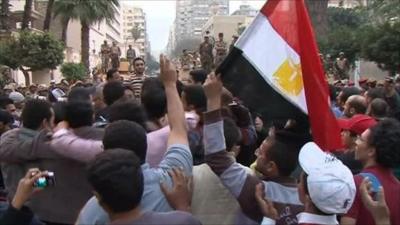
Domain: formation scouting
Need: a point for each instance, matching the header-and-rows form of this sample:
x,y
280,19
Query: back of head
x,y
59,111
232,133
5,118
113,91
79,94
4,101
79,114
195,96
127,135
349,91
285,151
117,178
127,110
374,93
35,112
385,137
198,76
153,98
359,104
379,108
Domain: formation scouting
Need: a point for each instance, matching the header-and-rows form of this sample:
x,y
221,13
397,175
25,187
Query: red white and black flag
x,y
276,70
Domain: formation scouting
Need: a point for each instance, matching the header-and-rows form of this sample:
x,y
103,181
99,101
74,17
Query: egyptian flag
x,y
275,69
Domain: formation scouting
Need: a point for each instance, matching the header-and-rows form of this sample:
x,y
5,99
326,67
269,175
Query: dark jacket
x,y
22,149
14,216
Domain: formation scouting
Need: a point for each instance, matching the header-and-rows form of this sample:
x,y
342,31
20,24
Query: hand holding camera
x,y
33,182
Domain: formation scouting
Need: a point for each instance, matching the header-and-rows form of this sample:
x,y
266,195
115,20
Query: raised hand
x,y
26,188
378,208
266,206
168,74
180,196
213,91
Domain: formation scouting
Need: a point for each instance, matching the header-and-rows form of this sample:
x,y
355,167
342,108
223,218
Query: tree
x,y
47,20
73,71
152,64
27,14
318,10
31,52
5,15
381,44
89,13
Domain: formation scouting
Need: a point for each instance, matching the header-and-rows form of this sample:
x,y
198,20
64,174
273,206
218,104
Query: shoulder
x,y
178,217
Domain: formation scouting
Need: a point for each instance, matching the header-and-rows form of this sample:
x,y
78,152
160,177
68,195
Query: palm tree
x,y
89,13
47,20
27,14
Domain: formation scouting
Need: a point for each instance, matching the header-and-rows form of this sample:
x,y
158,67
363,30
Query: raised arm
x,y
176,114
233,175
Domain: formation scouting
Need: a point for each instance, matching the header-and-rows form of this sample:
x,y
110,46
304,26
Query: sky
x,y
160,16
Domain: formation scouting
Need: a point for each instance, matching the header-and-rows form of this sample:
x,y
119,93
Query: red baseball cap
x,y
357,124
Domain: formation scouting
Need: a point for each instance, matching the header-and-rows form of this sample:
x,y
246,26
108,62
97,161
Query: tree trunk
x,y
85,44
27,14
64,24
318,10
5,15
49,11
26,76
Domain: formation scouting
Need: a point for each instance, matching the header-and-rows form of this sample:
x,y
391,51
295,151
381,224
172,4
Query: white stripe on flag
x,y
266,50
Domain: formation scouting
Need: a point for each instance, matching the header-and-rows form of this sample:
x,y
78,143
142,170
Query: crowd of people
x,y
155,150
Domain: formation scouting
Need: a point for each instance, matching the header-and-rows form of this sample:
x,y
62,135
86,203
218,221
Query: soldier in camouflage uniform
x,y
206,56
220,49
186,60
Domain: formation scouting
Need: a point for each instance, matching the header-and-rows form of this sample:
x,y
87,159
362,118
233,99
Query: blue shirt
x,y
177,156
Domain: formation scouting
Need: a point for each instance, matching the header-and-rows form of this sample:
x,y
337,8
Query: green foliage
x,y
136,32
73,71
151,63
87,12
33,50
381,44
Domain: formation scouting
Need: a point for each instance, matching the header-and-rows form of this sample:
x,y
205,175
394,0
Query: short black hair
x,y
127,135
110,73
59,111
139,59
374,93
6,117
113,91
232,133
198,76
349,91
127,110
153,98
333,92
379,108
34,112
79,94
4,101
116,175
385,137
195,95
79,114
285,150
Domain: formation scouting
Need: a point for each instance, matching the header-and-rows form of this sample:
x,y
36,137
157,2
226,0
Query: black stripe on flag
x,y
244,81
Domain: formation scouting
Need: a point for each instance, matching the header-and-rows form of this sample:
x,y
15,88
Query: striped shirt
x,y
136,83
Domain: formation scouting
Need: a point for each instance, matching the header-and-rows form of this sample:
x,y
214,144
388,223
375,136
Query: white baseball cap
x,y
330,183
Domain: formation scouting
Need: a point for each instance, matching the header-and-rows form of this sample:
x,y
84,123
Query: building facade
x,y
228,25
134,18
347,3
191,15
246,10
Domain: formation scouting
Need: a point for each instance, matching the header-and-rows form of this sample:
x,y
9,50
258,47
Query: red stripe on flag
x,y
281,15
290,19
